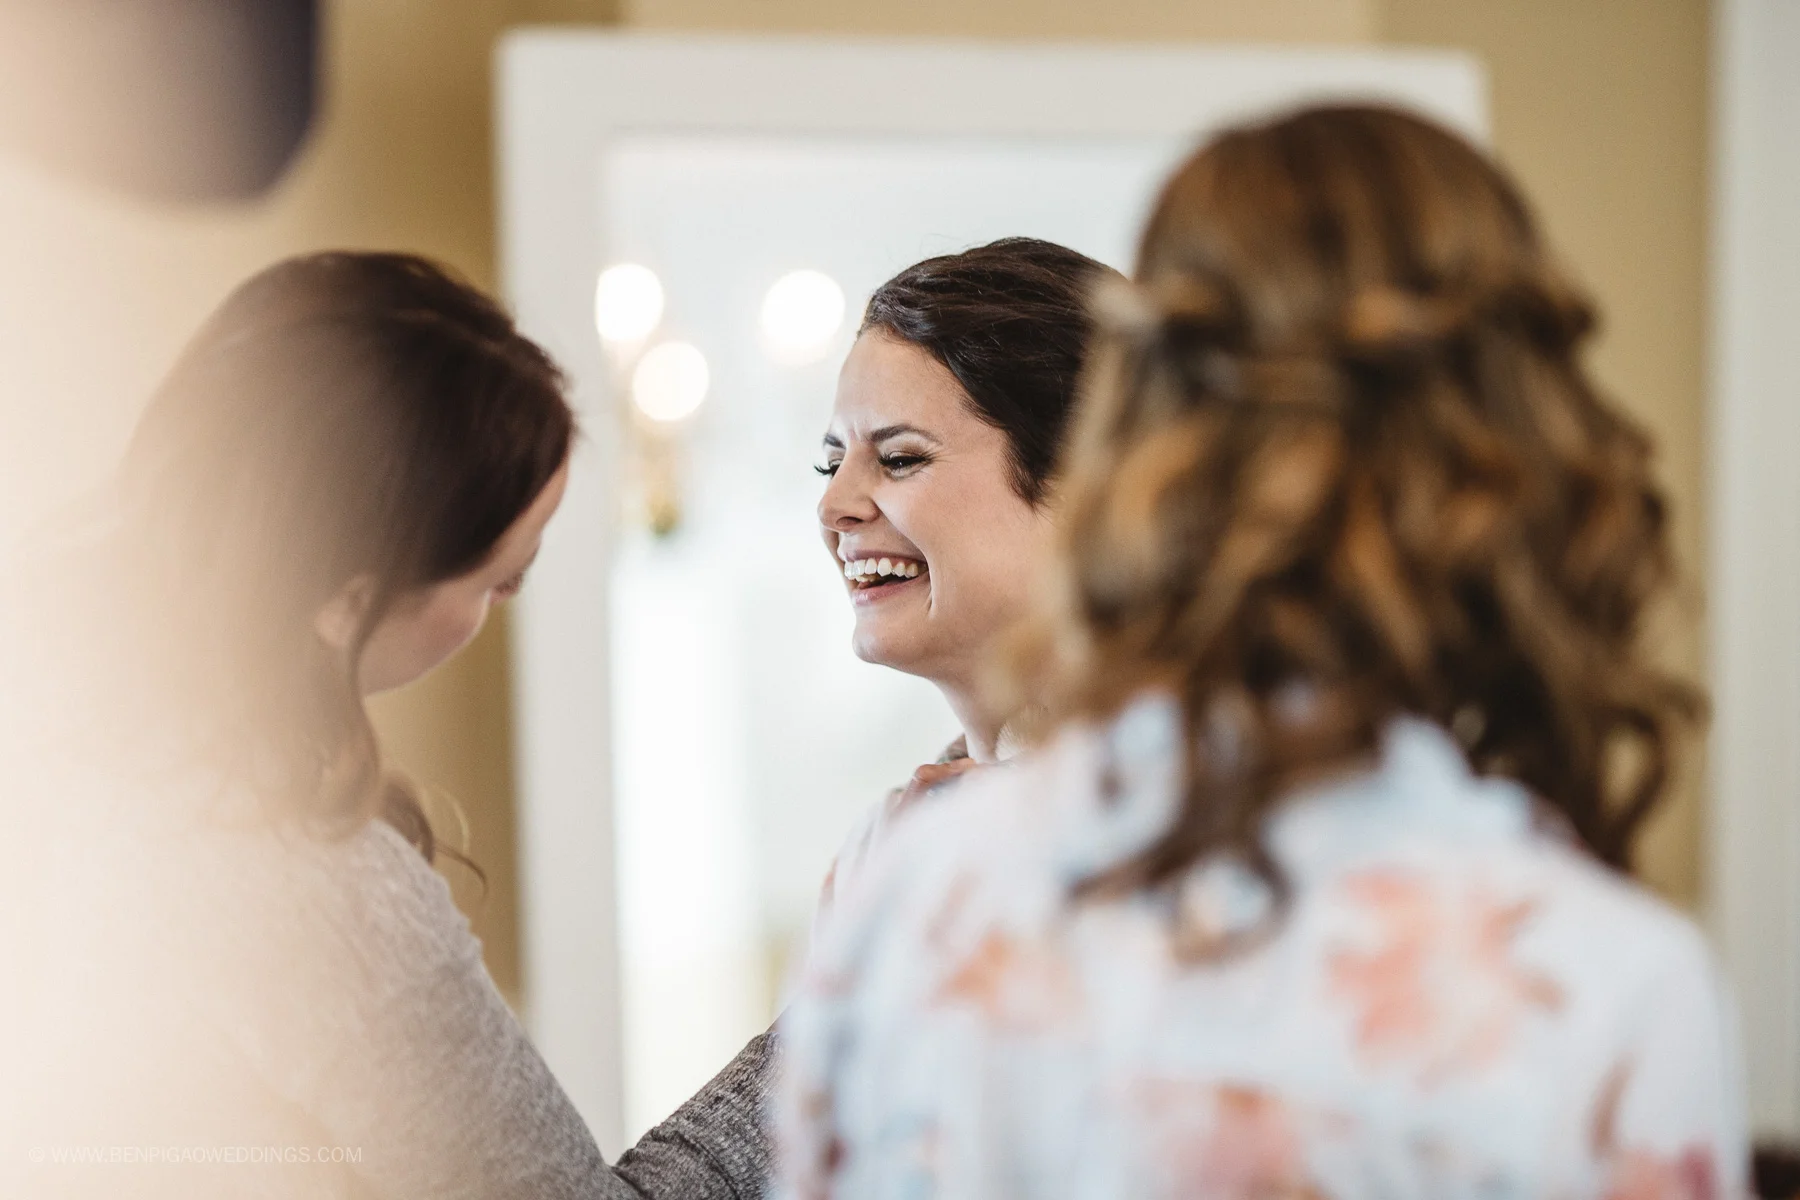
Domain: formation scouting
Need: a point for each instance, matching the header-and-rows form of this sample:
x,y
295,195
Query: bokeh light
x,y
801,313
670,381
628,303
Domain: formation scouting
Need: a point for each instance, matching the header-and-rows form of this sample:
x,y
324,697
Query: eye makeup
x,y
893,461
900,463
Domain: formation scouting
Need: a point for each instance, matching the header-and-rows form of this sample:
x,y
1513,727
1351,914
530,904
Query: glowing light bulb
x,y
628,303
670,381
801,313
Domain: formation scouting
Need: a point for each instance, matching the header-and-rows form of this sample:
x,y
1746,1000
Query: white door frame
x,y
562,96
1754,855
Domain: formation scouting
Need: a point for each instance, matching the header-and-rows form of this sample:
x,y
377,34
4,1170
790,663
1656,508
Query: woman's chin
x,y
890,621
878,642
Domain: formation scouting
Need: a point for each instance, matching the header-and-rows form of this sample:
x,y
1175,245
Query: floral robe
x,y
1455,1002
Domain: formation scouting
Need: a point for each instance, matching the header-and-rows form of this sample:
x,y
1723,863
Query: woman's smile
x,y
877,578
867,569
921,514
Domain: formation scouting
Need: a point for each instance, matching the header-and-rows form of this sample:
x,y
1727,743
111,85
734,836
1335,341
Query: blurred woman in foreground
x,y
234,971
1321,887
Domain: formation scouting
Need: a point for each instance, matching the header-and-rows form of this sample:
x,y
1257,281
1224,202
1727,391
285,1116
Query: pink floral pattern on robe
x,y
1442,989
1452,1005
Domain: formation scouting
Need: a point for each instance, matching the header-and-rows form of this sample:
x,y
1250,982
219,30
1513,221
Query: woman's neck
x,y
982,730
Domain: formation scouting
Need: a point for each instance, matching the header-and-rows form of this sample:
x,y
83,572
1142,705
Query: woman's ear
x,y
342,616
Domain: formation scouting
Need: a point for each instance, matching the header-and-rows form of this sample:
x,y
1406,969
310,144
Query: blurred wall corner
x,y
175,100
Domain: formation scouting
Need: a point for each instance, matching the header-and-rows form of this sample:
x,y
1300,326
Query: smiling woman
x,y
941,456
949,417
939,546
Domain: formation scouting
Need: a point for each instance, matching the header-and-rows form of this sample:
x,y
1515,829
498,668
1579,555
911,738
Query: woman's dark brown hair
x,y
1338,462
340,416
1012,321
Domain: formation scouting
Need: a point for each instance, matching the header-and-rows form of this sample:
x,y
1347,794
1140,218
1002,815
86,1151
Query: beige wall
x,y
1235,20
1598,105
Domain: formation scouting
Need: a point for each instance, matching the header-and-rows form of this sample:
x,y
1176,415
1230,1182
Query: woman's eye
x,y
891,463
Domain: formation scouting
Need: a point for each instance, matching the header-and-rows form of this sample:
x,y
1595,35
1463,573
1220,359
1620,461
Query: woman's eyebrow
x,y
832,441
892,431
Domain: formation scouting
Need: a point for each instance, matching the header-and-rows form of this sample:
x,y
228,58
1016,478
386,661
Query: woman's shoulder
x,y
362,907
1614,927
1422,837
1090,795
999,830
251,908
1419,837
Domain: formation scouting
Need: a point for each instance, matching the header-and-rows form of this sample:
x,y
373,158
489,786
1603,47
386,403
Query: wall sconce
x,y
668,385
662,386
666,382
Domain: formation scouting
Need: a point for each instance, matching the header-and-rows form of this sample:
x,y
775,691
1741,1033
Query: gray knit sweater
x,y
258,1001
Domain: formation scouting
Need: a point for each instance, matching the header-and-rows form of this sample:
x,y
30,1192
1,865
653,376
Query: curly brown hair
x,y
1338,461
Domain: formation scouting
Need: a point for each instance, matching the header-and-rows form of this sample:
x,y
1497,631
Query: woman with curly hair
x,y
1319,884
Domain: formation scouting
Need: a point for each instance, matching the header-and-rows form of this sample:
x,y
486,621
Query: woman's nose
x,y
846,502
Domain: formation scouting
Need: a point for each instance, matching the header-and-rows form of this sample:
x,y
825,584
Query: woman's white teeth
x,y
864,569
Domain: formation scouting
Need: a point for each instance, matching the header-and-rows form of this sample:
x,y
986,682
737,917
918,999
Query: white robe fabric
x,y
1455,1002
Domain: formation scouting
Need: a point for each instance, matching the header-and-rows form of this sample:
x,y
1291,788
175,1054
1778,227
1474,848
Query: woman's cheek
x,y
453,627
474,617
